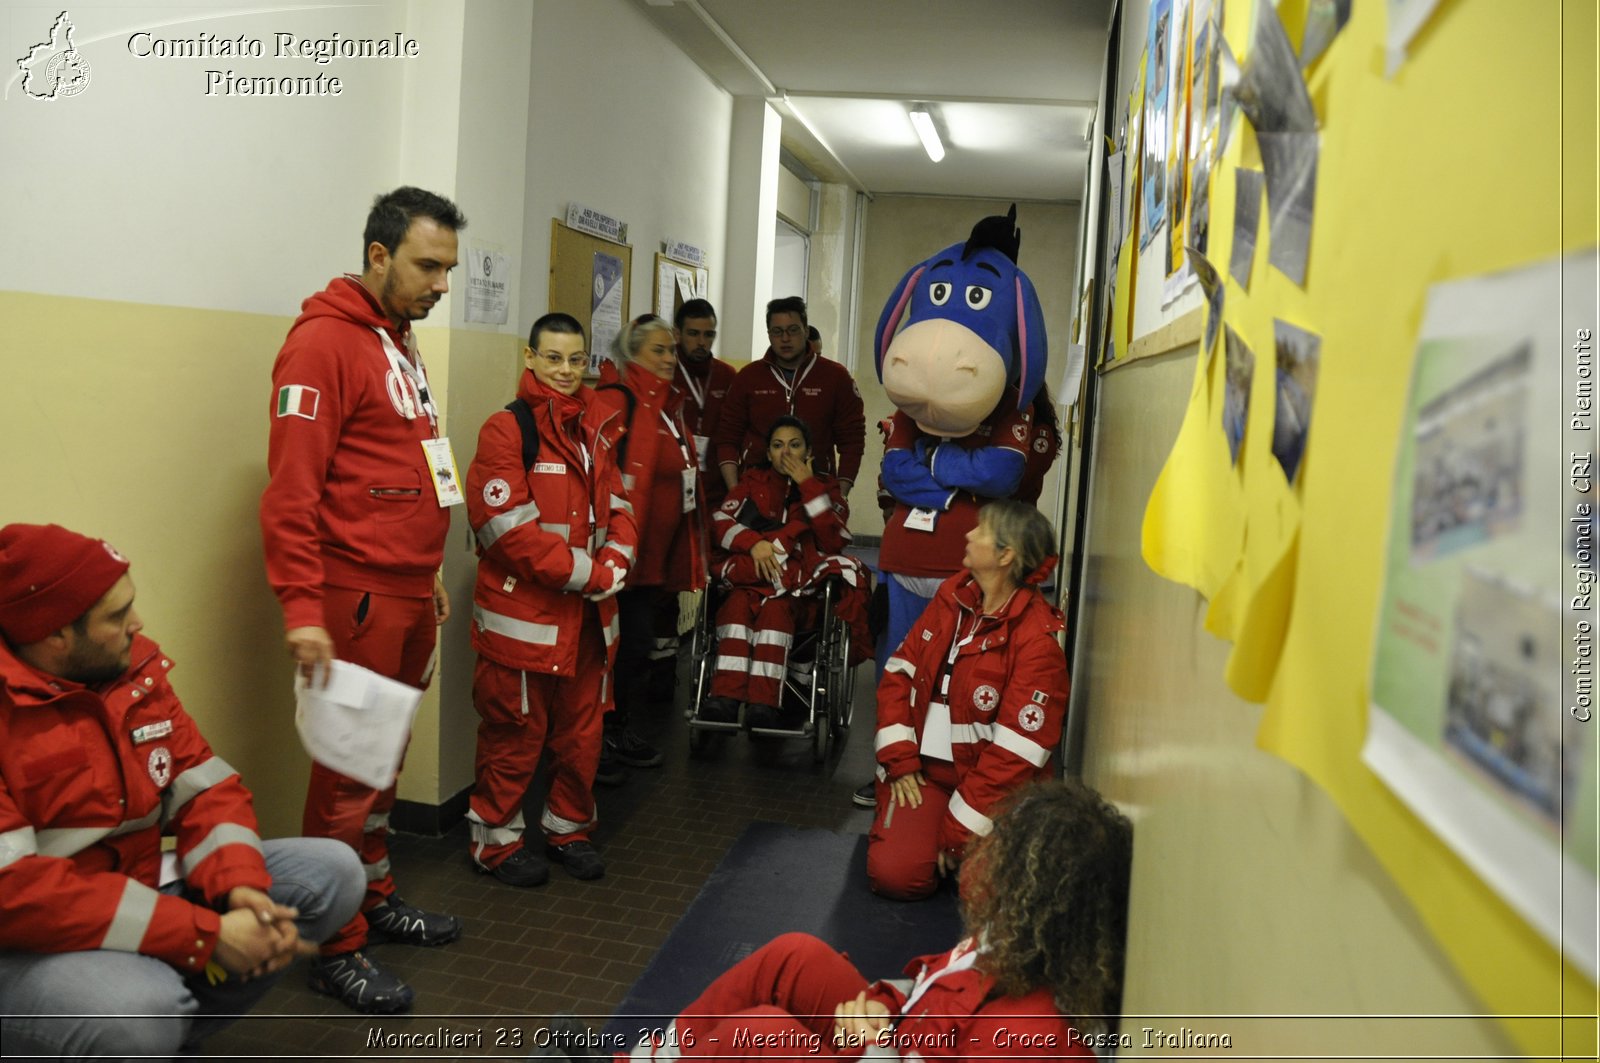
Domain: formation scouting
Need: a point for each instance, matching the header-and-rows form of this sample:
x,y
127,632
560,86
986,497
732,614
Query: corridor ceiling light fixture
x,y
922,122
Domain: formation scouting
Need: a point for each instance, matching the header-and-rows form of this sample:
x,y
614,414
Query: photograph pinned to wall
x,y
1227,81
605,308
1469,441
1240,370
1324,20
1203,134
1271,91
1178,101
1211,284
1475,684
1290,162
1406,19
1246,222
1154,165
1298,356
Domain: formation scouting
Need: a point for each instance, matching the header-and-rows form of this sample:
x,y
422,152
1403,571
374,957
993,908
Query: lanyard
x,y
414,373
694,389
789,386
677,437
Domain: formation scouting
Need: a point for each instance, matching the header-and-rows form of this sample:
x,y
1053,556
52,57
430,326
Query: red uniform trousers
x,y
903,844
520,715
781,997
754,633
394,637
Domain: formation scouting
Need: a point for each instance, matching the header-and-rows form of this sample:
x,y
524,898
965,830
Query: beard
x,y
93,666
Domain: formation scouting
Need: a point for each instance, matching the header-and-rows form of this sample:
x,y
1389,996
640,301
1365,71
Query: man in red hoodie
x,y
354,523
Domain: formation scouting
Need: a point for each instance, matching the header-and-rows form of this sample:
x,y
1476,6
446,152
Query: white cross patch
x,y
986,697
496,492
1031,717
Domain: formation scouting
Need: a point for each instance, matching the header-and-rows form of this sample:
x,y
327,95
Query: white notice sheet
x,y
358,723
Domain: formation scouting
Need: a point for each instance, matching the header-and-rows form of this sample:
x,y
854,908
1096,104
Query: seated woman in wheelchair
x,y
783,527
970,706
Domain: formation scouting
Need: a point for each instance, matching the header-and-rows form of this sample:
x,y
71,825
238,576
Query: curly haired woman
x,y
1039,974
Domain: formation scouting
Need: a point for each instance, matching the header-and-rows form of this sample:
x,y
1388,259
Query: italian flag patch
x,y
297,400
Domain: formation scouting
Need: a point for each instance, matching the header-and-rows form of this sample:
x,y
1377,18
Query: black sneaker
x,y
764,716
579,858
719,710
523,867
395,920
359,984
610,772
866,796
632,750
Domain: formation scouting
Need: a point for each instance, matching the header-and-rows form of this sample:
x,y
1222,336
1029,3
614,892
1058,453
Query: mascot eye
x,y
939,292
977,296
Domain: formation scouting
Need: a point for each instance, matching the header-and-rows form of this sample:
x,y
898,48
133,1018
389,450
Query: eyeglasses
x,y
555,361
791,331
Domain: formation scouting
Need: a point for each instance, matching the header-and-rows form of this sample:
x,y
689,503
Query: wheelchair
x,y
818,676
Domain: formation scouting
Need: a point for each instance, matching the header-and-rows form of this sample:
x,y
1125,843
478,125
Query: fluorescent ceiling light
x,y
922,121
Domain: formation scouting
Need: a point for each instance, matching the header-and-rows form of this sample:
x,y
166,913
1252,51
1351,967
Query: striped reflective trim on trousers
x,y
733,631
890,733
15,844
512,628
732,663
221,835
554,824
135,910
1021,745
377,872
582,567
969,817
484,835
497,526
376,821
901,665
774,638
766,669
197,780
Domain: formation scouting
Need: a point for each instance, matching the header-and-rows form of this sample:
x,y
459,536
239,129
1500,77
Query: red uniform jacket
x,y
703,388
822,395
1044,444
543,532
90,780
952,1011
807,521
991,690
658,449
954,478
350,503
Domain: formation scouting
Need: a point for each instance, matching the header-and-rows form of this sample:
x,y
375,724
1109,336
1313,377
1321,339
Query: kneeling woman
x,y
971,704
783,526
1044,900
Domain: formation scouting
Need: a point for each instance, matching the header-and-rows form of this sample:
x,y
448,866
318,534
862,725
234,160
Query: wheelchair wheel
x,y
700,654
841,683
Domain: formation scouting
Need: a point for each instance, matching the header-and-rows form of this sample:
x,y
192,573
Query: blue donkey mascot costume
x,y
963,372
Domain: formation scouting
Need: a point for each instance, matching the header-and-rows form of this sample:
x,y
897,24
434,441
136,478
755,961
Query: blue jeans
x,y
73,1005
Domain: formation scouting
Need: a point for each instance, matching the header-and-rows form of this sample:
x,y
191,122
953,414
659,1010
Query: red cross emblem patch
x,y
1031,717
496,492
986,698
160,766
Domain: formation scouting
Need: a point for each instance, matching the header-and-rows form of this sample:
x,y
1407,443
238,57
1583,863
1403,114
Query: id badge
x,y
688,489
921,519
442,468
936,732
702,446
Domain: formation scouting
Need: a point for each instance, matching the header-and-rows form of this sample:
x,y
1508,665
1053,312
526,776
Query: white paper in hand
x,y
358,724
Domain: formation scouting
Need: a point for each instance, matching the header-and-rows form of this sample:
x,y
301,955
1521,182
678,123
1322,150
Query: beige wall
x,y
904,230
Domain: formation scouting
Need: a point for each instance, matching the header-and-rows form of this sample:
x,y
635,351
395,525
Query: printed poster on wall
x,y
1157,55
1482,682
488,286
605,308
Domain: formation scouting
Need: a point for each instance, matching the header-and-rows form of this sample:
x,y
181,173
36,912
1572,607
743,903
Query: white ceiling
x,y
1011,83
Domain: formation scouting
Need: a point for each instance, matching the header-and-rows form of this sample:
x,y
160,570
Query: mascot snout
x,y
944,376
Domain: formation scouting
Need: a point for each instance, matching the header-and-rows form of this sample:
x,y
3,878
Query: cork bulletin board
x,y
589,278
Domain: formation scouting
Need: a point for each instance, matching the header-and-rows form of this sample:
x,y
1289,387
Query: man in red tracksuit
x,y
790,379
354,523
704,379
102,950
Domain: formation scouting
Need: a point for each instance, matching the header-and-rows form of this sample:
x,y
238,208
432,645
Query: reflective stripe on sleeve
x,y
582,567
1022,746
969,817
132,919
891,733
563,530
817,506
512,628
197,780
128,826
15,844
618,502
625,550
223,834
733,533
901,665
497,526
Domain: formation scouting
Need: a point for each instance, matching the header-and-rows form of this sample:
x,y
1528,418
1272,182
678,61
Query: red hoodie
x,y
350,503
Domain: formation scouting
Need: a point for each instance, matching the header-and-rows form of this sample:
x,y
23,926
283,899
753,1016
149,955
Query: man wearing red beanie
x,y
354,522
98,761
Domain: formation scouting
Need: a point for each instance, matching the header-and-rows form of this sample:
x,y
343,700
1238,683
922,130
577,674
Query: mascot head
x,y
973,328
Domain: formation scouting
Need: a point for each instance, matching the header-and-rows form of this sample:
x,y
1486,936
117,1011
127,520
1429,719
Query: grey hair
x,y
1022,528
632,336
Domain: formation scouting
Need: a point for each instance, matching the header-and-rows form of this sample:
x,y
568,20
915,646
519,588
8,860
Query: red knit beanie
x,y
49,577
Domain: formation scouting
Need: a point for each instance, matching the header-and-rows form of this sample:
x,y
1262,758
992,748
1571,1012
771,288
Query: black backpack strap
x,y
630,402
530,432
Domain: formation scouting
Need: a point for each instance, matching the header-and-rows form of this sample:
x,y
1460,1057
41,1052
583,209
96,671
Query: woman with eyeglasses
x,y
556,539
660,470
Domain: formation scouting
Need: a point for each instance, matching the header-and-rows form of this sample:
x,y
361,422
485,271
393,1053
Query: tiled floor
x,y
567,946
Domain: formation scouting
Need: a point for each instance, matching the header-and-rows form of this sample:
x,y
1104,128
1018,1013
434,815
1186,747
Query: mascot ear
x,y
1033,346
893,311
